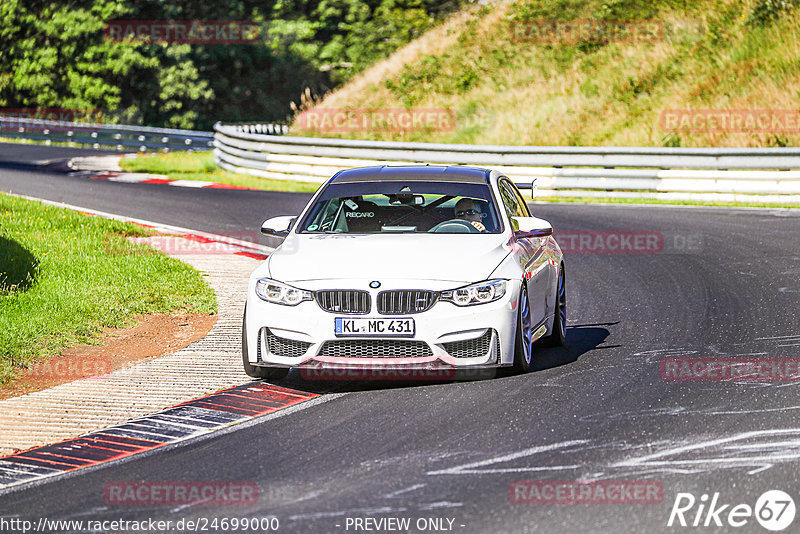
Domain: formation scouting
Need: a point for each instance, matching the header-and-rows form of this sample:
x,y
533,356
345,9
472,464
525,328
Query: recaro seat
x,y
364,218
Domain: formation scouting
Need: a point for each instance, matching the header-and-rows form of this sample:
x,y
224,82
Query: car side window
x,y
526,212
511,204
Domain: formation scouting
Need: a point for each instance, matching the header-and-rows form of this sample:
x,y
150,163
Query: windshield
x,y
403,207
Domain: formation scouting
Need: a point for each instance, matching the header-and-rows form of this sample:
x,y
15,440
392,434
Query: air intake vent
x,y
343,300
403,302
280,346
472,348
375,348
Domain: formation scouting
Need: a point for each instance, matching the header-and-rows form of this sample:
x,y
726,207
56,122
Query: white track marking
x,y
394,494
475,467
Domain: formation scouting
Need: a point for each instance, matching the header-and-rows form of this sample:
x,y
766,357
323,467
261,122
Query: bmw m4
x,y
413,267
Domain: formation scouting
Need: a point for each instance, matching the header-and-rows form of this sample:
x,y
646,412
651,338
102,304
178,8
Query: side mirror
x,y
278,226
532,227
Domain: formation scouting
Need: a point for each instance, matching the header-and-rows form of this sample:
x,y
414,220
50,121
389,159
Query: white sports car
x,y
413,267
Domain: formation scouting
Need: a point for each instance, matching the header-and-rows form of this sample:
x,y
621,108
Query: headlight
x,y
479,293
279,293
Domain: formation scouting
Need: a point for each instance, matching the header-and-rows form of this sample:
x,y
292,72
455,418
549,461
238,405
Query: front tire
x,y
523,346
558,337
255,371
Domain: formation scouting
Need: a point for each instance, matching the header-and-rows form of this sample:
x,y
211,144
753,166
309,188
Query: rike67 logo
x,y
774,510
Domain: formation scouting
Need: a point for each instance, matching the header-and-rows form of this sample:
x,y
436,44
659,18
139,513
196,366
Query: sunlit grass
x,y
709,55
64,276
657,201
201,166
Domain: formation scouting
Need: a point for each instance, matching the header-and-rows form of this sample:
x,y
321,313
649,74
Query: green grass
x,y
718,55
171,163
200,166
22,141
64,276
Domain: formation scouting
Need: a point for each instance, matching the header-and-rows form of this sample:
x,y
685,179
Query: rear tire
x,y
558,337
255,371
523,346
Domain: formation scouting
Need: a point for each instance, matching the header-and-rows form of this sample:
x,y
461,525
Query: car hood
x,y
449,257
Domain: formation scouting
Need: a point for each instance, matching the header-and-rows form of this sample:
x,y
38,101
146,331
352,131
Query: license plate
x,y
374,327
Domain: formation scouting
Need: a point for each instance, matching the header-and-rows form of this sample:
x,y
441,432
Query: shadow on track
x,y
580,340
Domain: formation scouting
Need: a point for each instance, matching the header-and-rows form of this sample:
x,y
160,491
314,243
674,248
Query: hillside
x,y
511,74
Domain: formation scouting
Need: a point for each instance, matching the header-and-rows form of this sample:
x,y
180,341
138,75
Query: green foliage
x,y
672,140
549,9
418,79
589,88
55,55
766,11
630,9
376,35
593,9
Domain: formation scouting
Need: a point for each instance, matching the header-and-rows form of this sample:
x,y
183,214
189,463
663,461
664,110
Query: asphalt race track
x,y
230,212
29,154
717,283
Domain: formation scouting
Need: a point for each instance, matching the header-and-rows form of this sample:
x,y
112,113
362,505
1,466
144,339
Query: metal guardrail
x,y
115,136
560,171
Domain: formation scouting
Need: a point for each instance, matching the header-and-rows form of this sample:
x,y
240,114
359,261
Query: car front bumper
x,y
446,336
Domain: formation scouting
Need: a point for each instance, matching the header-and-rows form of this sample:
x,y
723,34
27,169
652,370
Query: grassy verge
x,y
505,86
22,141
64,276
200,166
662,202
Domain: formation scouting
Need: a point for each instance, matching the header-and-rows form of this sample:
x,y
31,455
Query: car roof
x,y
413,173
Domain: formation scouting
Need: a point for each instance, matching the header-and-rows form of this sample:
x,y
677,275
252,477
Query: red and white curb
x,y
137,178
188,420
108,168
240,405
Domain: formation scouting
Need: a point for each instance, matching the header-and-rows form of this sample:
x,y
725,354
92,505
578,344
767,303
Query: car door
x,y
531,252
